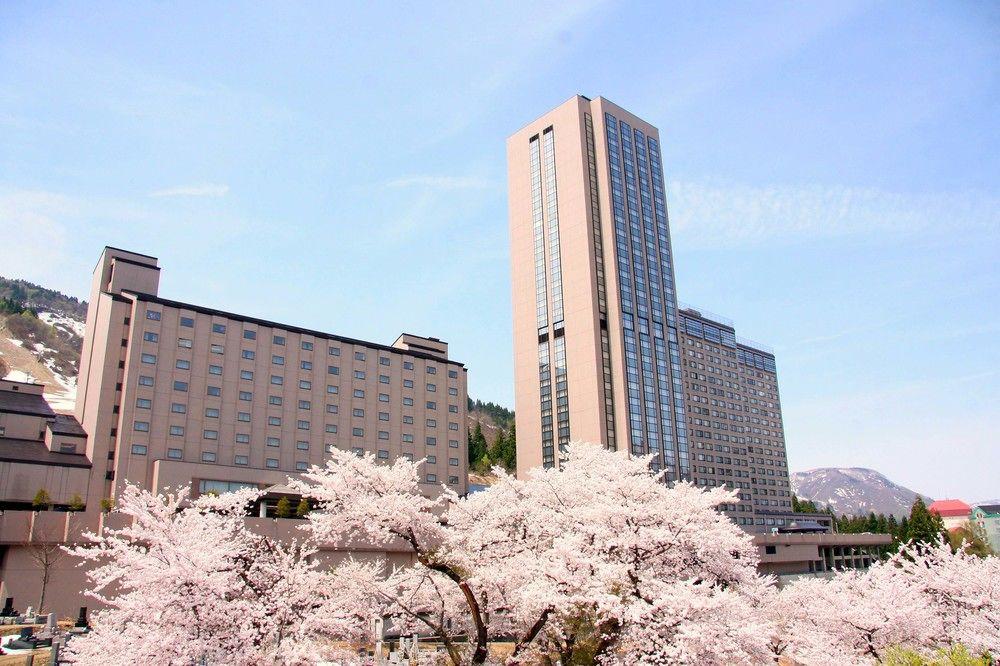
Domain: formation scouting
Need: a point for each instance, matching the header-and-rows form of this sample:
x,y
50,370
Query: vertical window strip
x,y
541,297
552,224
562,394
545,397
602,297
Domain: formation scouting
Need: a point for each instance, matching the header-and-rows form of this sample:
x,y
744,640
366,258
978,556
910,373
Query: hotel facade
x,y
176,395
602,352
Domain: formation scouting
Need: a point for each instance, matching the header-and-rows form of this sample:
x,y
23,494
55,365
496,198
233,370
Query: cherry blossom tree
x,y
187,582
597,550
924,598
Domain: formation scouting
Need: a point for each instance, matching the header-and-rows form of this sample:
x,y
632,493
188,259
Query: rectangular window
x,y
273,441
383,397
431,370
249,335
301,466
358,432
274,400
218,328
452,426
407,383
149,336
243,416
242,438
453,409
359,393
181,386
334,351
359,413
246,374
383,454
277,360
432,388
408,420
187,322
214,390
211,434
147,381
431,441
149,359
143,403
407,365
431,404
175,454
139,449
408,439
305,404
278,380
305,365
359,374
383,379
431,423
153,314
305,384
215,369
142,426
453,480
302,425
332,370
182,364
216,349
184,343
453,391
453,462
178,408
272,463
302,446
331,428
383,360
307,345
278,340
177,431
432,478
332,409
383,434
359,356
453,443
383,416
332,389
241,460
408,402
453,374
274,420
248,354
208,456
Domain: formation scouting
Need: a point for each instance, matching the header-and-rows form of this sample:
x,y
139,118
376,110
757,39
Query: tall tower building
x,y
596,342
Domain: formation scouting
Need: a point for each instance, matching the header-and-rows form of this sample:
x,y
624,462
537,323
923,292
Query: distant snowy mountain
x,y
854,491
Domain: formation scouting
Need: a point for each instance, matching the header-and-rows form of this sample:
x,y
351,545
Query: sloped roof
x,y
950,508
989,508
32,404
66,424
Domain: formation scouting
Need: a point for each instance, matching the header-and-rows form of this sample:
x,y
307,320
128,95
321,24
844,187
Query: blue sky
x,y
834,181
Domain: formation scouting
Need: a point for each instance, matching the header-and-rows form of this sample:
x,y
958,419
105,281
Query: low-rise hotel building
x,y
175,394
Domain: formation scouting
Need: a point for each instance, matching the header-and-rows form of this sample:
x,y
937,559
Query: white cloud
x,y
442,182
709,213
203,190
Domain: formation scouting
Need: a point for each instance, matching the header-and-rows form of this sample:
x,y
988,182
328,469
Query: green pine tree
x,y
302,509
42,501
477,446
924,527
76,503
284,508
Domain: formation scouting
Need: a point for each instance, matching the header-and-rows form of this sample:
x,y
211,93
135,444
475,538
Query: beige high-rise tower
x,y
596,346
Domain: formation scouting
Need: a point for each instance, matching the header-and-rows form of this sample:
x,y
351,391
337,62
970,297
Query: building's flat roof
x,y
26,451
30,404
150,298
66,424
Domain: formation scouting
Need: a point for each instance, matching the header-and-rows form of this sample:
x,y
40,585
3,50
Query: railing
x,y
706,314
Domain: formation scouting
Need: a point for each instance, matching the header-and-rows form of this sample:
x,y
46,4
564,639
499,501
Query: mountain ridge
x,y
854,491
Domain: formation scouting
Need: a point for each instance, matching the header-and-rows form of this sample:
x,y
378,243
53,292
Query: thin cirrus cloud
x,y
712,213
203,190
441,182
